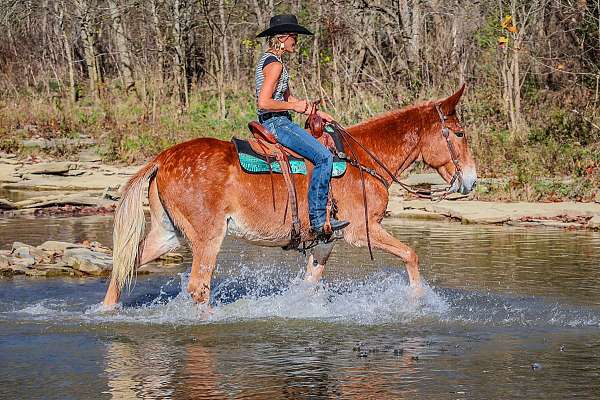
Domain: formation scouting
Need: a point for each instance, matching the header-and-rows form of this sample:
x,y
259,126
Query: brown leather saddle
x,y
265,144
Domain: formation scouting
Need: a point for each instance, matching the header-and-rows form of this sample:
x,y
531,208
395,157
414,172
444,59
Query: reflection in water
x,y
500,300
139,370
200,367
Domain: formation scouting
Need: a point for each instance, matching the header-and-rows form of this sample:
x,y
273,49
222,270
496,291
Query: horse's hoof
x,y
199,293
205,311
417,292
108,307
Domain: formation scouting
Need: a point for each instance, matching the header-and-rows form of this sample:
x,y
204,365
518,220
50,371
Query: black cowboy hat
x,y
284,23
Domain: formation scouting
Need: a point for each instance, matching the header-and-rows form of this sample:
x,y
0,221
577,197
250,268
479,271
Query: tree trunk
x,y
223,61
180,68
125,57
61,33
88,36
315,52
160,43
412,21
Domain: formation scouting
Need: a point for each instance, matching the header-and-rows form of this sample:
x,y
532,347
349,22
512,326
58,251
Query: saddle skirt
x,y
255,157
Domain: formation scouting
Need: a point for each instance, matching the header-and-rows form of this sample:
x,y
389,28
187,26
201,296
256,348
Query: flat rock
x,y
9,174
13,270
11,161
50,168
58,270
88,261
24,250
21,261
7,205
89,155
96,180
56,246
480,212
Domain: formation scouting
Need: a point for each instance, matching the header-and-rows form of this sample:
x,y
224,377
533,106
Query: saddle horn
x,y
314,123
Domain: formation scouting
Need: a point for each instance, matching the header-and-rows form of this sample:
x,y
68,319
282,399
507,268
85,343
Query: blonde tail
x,y
129,226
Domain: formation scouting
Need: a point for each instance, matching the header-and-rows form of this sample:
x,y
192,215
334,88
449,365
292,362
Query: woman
x,y
274,103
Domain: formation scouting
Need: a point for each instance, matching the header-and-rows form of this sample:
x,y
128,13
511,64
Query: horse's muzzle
x,y
469,181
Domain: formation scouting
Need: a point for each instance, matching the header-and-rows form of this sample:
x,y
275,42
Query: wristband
x,y
305,108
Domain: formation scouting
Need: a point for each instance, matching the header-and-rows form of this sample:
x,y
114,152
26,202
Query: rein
x,y
432,194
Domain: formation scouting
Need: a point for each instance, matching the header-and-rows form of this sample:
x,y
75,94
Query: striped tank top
x,y
281,86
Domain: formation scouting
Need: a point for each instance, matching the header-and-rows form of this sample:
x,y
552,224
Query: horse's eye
x,y
459,134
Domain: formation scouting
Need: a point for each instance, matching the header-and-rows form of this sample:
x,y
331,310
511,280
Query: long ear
x,y
449,104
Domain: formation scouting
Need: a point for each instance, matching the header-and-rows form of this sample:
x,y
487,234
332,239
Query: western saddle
x,y
265,143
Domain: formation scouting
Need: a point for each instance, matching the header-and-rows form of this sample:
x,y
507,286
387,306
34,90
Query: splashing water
x,y
272,292
264,293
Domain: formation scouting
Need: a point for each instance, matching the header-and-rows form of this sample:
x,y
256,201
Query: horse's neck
x,y
393,138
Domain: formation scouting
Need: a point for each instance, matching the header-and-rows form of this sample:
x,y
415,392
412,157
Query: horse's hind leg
x,y
205,234
316,262
163,237
205,248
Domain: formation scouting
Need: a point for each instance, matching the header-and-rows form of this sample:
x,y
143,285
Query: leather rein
x,y
432,194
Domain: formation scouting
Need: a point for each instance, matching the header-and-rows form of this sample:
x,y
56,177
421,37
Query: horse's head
x,y
446,139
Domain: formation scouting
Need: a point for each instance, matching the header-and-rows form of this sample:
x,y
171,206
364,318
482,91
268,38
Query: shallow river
x,y
508,313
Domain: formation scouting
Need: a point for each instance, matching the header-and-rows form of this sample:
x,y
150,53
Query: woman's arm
x,y
288,96
272,72
328,118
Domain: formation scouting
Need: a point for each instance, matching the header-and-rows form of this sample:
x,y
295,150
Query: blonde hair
x,y
273,42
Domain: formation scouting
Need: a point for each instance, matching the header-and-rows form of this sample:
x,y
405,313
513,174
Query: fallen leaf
x,y
506,21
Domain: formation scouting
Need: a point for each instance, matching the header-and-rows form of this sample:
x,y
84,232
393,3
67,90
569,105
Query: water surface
x,y
508,313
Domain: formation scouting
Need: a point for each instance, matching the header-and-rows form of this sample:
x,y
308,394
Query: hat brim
x,y
284,28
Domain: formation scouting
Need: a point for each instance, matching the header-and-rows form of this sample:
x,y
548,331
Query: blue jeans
x,y
293,137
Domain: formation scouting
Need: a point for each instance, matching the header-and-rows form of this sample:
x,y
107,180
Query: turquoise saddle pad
x,y
254,163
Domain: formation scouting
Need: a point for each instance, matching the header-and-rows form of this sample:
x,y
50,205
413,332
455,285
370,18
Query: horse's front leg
x,y
316,262
382,240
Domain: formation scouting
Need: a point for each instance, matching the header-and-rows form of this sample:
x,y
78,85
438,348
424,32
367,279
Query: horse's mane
x,y
397,114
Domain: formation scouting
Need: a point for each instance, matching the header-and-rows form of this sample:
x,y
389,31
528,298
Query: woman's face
x,y
289,40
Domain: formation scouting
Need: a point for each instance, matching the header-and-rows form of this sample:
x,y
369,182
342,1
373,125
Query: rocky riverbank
x,y
565,215
54,258
86,186
45,187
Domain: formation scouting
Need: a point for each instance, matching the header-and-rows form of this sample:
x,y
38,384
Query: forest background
x,y
139,76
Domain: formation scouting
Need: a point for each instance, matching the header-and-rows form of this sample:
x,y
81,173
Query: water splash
x,y
275,292
265,293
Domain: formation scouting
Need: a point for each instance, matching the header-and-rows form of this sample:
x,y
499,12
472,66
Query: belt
x,y
268,115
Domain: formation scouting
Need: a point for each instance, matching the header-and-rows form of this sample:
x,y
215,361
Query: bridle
x,y
432,194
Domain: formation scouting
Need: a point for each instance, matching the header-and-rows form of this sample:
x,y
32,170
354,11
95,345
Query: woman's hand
x,y
300,106
326,117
